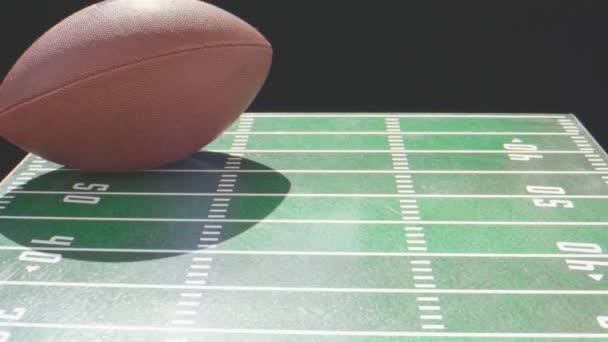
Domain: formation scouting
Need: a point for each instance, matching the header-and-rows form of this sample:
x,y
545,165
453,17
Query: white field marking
x,y
424,286
24,178
210,233
5,202
595,159
590,136
196,274
420,262
229,180
199,259
420,249
466,133
191,295
2,207
417,242
224,199
410,212
433,326
219,205
431,317
426,277
429,307
182,322
228,175
206,245
415,235
401,181
225,191
379,171
195,282
392,152
605,177
23,161
188,303
28,173
410,218
217,210
199,267
229,288
404,115
422,269
216,216
427,299
602,168
209,239
412,228
592,155
38,161
304,221
408,206
275,332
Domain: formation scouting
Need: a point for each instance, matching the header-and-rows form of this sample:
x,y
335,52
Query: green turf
x,y
322,238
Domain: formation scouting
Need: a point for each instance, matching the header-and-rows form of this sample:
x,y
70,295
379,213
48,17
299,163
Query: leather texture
x,y
132,84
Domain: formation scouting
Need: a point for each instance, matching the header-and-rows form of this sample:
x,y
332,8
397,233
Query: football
x,y
132,84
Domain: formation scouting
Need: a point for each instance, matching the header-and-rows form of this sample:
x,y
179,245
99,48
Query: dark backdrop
x,y
383,55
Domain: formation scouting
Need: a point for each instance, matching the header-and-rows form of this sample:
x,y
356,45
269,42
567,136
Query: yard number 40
x,y
13,315
549,203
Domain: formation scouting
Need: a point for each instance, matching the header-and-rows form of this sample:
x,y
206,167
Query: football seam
x,y
126,65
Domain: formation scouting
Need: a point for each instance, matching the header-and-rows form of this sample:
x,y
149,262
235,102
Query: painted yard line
x,y
300,221
380,171
352,333
589,135
467,133
17,167
311,253
403,115
330,195
406,151
305,289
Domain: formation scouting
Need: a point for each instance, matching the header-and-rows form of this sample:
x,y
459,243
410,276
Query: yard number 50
x,y
549,190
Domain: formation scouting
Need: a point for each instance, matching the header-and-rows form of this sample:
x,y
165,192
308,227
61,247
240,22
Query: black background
x,y
382,55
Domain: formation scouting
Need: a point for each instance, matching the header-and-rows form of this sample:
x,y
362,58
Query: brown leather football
x,y
132,84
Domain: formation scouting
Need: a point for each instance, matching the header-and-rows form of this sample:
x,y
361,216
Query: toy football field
x,y
319,227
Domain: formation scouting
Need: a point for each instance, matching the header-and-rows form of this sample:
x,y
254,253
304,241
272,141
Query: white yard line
x,y
353,333
17,167
389,151
379,171
467,133
304,221
295,289
291,194
403,115
310,253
